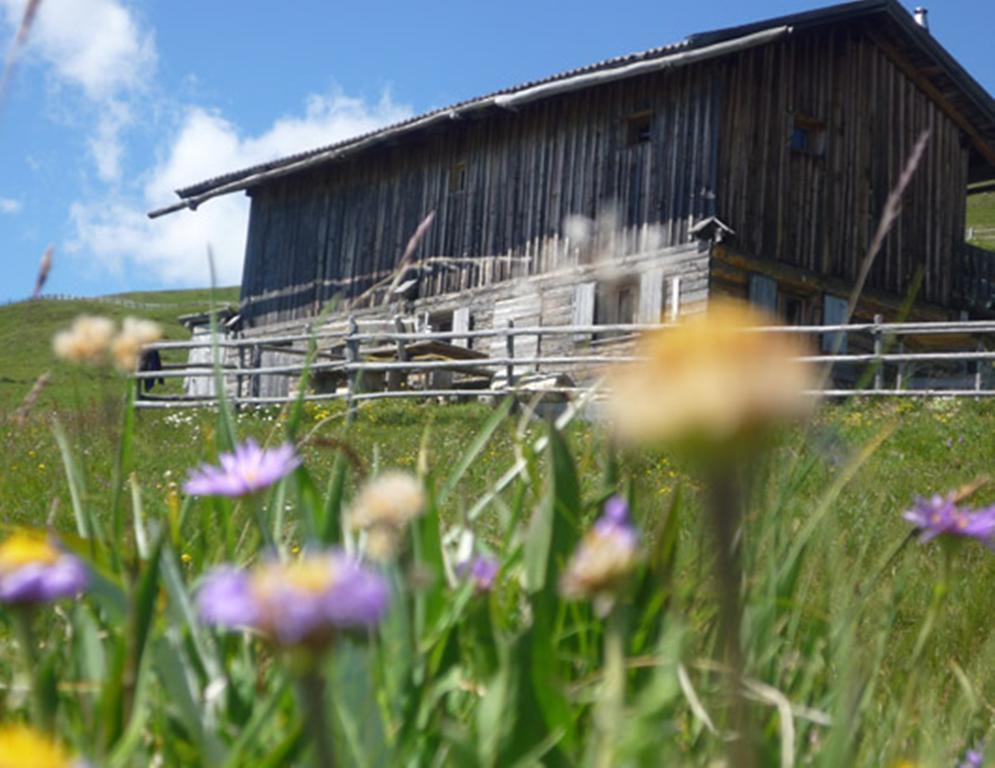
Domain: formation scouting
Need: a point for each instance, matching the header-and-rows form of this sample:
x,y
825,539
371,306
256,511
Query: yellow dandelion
x,y
21,746
711,380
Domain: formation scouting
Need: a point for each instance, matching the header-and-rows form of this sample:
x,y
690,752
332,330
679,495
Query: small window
x,y
639,128
808,136
457,177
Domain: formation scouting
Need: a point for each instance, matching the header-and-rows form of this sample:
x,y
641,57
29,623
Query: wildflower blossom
x,y
88,340
21,746
126,348
711,379
941,516
973,758
302,602
605,557
382,509
247,470
482,570
33,570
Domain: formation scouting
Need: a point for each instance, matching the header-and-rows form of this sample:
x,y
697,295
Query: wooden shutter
x,y
584,307
763,292
833,313
461,322
675,299
651,295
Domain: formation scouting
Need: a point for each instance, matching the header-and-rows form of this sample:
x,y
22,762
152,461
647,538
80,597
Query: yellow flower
x,y
22,549
87,340
711,380
21,747
382,509
185,558
127,345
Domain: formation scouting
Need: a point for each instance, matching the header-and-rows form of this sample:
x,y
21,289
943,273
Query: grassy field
x,y
865,609
27,327
925,447
981,213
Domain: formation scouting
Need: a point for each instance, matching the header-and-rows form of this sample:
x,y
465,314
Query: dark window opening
x,y
794,310
440,321
638,128
808,136
457,177
616,303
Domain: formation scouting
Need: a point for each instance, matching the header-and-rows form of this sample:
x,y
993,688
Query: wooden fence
x,y
348,362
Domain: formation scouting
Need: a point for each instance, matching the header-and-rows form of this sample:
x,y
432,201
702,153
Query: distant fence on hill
x,y
980,233
112,301
867,359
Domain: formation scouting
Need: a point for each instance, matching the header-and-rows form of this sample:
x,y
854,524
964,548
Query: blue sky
x,y
114,103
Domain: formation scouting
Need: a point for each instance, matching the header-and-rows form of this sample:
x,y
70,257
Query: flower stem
x,y
311,693
259,513
41,712
940,589
609,716
725,504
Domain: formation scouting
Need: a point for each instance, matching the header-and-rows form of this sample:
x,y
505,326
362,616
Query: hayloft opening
x,y
638,128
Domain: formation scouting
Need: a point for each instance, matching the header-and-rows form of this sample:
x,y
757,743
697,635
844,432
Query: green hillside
x,y
981,215
27,327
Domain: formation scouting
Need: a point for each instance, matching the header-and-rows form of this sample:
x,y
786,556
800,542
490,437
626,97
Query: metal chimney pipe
x,y
920,14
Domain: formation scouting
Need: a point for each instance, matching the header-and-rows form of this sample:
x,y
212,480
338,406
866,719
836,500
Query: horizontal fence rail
x,y
358,362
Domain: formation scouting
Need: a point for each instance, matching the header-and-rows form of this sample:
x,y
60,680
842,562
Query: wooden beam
x,y
726,260
943,102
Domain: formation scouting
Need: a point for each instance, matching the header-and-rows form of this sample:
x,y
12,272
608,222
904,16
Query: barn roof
x,y
940,70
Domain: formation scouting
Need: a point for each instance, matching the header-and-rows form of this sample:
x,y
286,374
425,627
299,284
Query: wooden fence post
x,y
239,378
396,378
900,376
255,385
978,380
352,375
878,365
509,343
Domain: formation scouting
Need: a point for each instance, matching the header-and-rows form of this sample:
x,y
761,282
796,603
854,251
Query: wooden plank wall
x,y
334,232
544,300
820,212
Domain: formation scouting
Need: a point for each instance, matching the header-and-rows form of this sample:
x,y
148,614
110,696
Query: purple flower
x,y
34,570
302,602
941,516
605,556
482,570
973,758
247,470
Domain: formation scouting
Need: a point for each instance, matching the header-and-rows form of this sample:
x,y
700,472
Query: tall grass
x,y
834,600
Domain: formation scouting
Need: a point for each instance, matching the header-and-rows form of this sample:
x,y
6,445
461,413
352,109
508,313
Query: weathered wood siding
x,y
819,212
540,300
335,231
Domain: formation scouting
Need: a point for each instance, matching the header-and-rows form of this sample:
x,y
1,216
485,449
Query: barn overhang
x,y
928,64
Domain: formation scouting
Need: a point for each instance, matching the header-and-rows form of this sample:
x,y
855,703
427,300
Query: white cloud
x,y
10,206
117,232
99,48
94,44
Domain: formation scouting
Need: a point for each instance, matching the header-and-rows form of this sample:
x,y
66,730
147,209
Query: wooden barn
x,y
752,161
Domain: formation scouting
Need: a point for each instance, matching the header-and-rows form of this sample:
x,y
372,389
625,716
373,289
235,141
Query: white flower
x,y
127,345
383,507
87,340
